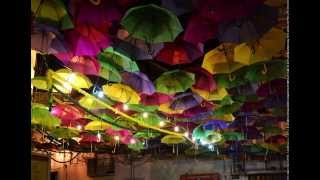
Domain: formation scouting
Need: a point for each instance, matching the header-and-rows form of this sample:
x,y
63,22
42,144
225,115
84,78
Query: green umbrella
x,y
53,12
227,109
198,132
109,72
174,81
212,136
152,119
142,108
64,133
40,82
138,146
271,70
146,135
233,136
117,60
42,116
90,103
152,23
172,139
236,78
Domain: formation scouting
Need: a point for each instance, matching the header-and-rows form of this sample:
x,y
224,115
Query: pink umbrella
x,y
76,122
139,82
87,138
67,112
85,40
204,79
155,99
84,64
124,135
200,29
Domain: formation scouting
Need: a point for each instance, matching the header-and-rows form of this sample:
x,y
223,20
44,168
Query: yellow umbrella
x,y
216,95
121,93
90,103
171,139
74,78
220,60
268,46
225,117
166,109
97,126
271,147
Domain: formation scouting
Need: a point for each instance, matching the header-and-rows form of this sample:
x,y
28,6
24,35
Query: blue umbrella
x,y
185,101
215,125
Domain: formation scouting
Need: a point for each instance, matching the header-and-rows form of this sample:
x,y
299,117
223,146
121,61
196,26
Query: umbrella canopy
x,y
215,95
178,7
200,110
272,130
225,117
87,138
275,101
204,80
109,72
174,81
274,87
248,89
67,112
250,132
155,98
178,52
77,123
90,103
152,23
165,108
84,64
152,119
277,139
228,109
221,60
198,132
171,139
97,126
40,82
42,116
211,137
121,93
249,28
139,82
118,60
64,133
261,50
185,101
146,135
200,29
85,40
233,136
125,136
215,125
53,12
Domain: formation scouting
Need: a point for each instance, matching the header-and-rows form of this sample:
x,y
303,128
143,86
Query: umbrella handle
x,y
95,2
232,77
265,69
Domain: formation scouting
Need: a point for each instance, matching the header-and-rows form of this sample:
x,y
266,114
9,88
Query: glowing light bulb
x,y
132,141
125,107
79,127
100,94
186,134
161,123
145,115
193,139
210,146
99,137
71,77
176,128
117,138
67,87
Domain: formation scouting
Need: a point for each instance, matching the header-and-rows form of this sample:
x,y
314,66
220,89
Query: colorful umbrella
x,y
152,23
275,102
185,101
272,130
215,125
204,80
125,136
85,40
198,132
199,110
152,119
227,109
165,108
40,82
121,93
271,147
42,116
172,139
67,112
52,12
225,117
97,126
84,64
211,137
274,87
178,52
90,103
178,7
146,135
139,82
220,60
141,108
87,138
250,132
138,146
249,28
277,139
248,89
234,79
64,133
118,60
200,29
174,81
109,72
77,123
155,99
233,136
261,50
215,95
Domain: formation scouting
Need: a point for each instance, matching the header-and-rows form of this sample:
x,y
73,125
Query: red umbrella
x,y
76,122
155,99
178,52
85,40
84,64
277,139
275,87
204,79
67,112
87,138
226,10
200,29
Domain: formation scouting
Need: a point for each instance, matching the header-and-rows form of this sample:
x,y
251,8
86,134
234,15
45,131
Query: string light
x,y
161,123
99,136
132,141
125,107
79,127
71,77
100,94
186,134
176,128
117,138
145,115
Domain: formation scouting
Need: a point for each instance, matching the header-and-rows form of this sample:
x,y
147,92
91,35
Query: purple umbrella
x,y
251,132
138,81
155,99
274,87
275,101
249,28
244,90
178,7
185,101
215,125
